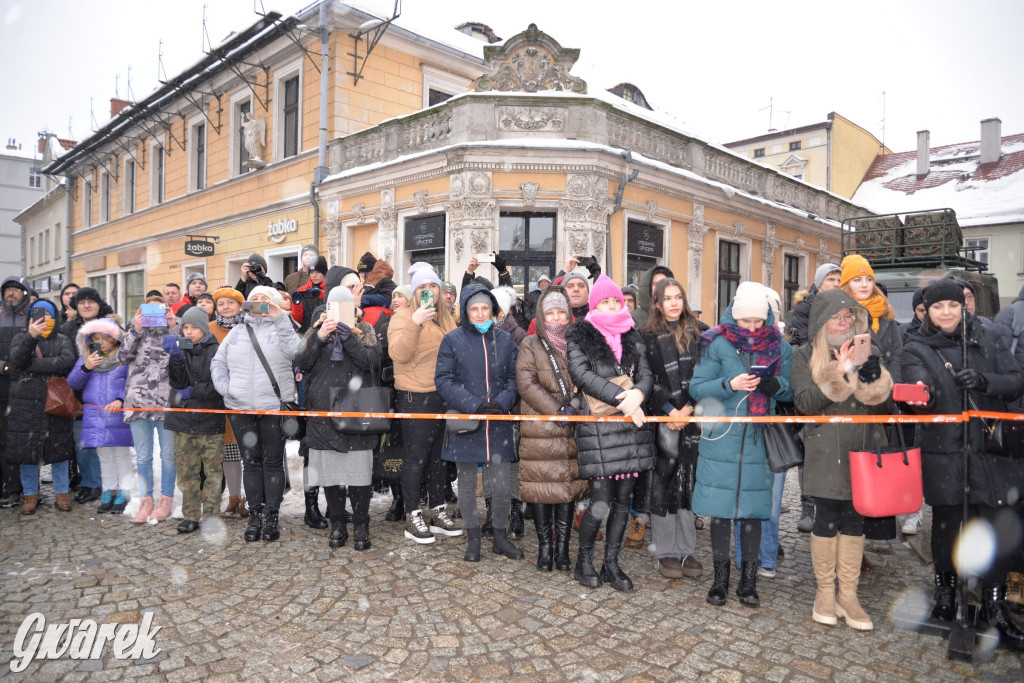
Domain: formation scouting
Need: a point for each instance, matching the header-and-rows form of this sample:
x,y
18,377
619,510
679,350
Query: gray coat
x,y
831,392
148,381
239,375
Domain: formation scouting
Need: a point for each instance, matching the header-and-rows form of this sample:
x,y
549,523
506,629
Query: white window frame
x,y
105,192
193,170
35,178
666,227
87,181
118,275
987,250
442,80
233,266
57,241
46,246
193,266
236,141
129,201
31,251
282,74
155,181
275,259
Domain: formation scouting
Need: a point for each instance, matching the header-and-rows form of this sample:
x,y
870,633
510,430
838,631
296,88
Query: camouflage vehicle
x,y
910,250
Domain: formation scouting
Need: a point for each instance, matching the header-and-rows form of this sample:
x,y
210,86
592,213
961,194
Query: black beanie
x,y
88,294
918,297
944,289
366,263
319,265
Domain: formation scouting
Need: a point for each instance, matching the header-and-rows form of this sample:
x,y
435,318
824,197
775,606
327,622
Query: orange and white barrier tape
x,y
783,419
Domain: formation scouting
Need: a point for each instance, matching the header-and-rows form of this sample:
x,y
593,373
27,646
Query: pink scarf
x,y
612,326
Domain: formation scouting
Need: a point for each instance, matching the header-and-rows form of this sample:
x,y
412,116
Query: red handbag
x,y
886,484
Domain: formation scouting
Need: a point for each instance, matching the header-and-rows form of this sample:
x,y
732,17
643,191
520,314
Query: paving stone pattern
x,y
294,609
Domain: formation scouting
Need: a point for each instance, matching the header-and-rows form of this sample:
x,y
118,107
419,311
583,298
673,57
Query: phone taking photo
x,y
94,347
256,307
426,298
342,311
154,315
38,314
861,349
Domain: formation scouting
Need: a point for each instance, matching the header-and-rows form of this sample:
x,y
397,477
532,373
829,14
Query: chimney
x,y
991,140
116,105
923,137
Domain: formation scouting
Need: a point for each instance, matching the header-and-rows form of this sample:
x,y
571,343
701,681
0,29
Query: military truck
x,y
909,250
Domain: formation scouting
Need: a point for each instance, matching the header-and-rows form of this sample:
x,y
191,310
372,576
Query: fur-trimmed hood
x,y
590,339
827,304
105,326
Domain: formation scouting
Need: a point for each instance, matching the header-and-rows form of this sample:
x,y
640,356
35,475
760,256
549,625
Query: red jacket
x,y
301,298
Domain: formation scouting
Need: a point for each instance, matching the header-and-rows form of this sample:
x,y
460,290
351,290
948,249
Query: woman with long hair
x,y
602,347
549,477
672,337
414,338
733,479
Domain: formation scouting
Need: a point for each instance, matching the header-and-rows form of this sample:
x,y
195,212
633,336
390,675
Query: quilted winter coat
x,y
733,479
238,373
474,367
548,471
99,387
33,437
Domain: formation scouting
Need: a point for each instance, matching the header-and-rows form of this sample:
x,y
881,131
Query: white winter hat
x,y
504,296
269,292
751,301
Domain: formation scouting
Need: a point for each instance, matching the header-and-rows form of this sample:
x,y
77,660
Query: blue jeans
x,y
769,528
30,478
88,461
142,436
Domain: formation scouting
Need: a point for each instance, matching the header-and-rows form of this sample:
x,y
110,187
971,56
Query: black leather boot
x,y
747,590
503,546
396,513
611,573
314,520
945,596
720,586
544,521
339,532
585,573
487,529
563,528
360,497
515,520
472,545
255,525
997,614
271,532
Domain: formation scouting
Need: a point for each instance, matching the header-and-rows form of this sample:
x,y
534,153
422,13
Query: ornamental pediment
x,y
529,62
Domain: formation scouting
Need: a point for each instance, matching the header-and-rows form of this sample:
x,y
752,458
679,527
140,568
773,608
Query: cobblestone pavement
x,y
294,608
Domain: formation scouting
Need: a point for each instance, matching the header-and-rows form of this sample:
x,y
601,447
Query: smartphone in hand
x,y
861,349
918,393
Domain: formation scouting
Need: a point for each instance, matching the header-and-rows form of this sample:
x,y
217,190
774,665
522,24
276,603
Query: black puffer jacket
x,y
33,437
608,448
13,321
192,369
324,377
992,479
796,326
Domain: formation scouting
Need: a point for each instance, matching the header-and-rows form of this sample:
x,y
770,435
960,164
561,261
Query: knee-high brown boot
x,y
850,550
823,559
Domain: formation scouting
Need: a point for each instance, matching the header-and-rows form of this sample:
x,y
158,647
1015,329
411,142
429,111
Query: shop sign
x,y
424,234
198,248
278,230
643,239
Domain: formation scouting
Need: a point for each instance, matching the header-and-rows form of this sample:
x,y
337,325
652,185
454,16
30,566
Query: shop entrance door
x,y
526,240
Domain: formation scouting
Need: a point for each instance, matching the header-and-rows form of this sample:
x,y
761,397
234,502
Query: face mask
x,y
483,327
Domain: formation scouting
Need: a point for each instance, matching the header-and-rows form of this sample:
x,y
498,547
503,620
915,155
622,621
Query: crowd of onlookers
x,y
340,339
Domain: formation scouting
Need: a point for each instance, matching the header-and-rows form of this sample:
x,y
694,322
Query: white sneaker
x,y
766,573
912,524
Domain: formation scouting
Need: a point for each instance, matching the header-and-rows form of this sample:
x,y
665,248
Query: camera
x,y
588,261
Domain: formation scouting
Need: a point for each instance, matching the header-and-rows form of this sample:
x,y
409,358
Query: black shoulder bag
x,y
293,427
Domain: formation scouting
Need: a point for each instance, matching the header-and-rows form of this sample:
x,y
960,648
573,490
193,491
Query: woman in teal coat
x,y
733,479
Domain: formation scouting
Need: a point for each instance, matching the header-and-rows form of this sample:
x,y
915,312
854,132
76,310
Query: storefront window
x,y
425,240
99,283
134,290
526,240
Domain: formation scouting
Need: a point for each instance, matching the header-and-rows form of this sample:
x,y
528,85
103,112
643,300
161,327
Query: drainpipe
x,y
618,204
321,171
68,213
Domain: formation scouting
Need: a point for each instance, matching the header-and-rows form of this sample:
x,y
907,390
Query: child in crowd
x,y
101,378
198,437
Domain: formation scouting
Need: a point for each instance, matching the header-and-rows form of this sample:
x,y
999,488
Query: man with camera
x,y
254,274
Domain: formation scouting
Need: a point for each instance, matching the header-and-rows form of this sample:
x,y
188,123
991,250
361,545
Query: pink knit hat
x,y
603,289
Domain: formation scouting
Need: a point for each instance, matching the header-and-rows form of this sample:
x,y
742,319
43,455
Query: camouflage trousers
x,y
193,453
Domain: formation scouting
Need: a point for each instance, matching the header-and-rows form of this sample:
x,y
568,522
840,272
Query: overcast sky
x,y
944,65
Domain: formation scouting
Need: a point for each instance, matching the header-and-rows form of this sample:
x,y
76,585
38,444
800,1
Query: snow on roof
x,y
427,22
988,195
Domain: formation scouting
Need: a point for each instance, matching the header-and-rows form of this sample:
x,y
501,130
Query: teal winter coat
x,y
733,479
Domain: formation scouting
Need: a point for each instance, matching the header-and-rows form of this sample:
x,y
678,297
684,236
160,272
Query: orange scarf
x,y
877,305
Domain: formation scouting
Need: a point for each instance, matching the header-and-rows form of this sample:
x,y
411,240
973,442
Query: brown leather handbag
x,y
599,408
60,398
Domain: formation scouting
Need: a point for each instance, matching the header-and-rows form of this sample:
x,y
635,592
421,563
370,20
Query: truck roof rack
x,y
915,239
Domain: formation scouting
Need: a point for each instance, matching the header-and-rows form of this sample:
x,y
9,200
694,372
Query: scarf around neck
x,y
765,343
877,305
555,333
228,323
612,326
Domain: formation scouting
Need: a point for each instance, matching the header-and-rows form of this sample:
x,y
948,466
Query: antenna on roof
x,y
206,34
71,135
117,86
161,73
262,12
92,116
883,119
131,95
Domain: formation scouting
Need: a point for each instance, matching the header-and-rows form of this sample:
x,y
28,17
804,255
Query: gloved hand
x,y
314,292
630,400
185,394
870,371
489,408
170,344
297,298
638,417
499,263
566,410
769,385
423,314
970,378
594,268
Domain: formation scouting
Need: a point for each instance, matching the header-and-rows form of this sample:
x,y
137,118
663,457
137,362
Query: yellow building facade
x,y
833,155
523,160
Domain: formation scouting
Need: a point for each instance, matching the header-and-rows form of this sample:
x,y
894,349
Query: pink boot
x,y
145,508
163,511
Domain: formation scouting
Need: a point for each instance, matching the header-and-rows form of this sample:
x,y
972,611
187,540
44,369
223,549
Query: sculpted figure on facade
x,y
387,221
420,197
529,62
255,135
529,193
